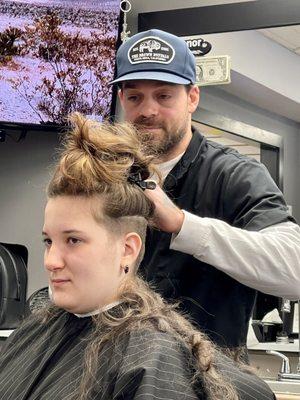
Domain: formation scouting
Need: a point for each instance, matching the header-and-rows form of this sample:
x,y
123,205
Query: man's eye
x,y
165,96
132,98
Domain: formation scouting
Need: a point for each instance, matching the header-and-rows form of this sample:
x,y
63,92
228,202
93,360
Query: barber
x,y
224,230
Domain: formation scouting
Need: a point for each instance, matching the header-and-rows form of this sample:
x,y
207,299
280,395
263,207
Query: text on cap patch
x,y
151,49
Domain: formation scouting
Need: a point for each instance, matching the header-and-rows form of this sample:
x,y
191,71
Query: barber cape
x,y
44,361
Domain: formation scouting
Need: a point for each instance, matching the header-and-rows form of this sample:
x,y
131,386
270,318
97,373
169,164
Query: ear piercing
x,y
126,269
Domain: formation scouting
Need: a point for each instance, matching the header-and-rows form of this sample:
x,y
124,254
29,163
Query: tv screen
x,y
56,57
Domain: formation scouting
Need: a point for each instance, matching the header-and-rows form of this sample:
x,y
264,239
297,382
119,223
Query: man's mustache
x,y
147,123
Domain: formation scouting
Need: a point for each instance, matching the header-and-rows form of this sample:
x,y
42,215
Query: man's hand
x,y
167,216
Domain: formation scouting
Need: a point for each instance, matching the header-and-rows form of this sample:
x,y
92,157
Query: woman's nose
x,y
53,259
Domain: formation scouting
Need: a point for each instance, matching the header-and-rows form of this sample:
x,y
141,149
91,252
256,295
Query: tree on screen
x,y
79,70
9,43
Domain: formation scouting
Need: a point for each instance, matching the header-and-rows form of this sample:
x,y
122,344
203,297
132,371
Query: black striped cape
x,y
44,361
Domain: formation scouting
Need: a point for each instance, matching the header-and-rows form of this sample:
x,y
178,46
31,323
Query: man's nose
x,y
148,108
53,259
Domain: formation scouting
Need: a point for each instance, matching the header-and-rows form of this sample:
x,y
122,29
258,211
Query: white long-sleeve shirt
x,y
267,260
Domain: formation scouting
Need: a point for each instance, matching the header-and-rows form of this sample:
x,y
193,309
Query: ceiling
x,y
287,36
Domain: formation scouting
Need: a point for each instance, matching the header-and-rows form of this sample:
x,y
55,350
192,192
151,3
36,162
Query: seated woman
x,y
107,335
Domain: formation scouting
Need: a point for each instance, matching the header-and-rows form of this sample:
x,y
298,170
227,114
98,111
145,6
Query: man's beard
x,y
166,142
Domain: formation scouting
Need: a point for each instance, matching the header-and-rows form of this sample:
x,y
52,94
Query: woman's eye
x,y
47,242
73,240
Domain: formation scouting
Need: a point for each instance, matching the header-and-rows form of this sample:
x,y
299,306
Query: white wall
x,y
260,59
24,173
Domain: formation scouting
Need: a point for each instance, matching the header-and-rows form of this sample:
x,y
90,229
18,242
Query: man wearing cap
x,y
224,228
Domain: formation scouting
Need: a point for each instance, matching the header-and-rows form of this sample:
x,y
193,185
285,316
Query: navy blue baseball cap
x,y
155,55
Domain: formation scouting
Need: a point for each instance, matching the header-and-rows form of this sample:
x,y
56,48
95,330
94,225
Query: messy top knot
x,y
97,159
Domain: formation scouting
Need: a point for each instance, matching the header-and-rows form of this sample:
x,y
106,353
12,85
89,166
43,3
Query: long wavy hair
x,y
96,160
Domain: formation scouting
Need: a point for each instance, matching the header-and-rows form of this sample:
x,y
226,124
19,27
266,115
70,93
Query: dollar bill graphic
x,y
212,70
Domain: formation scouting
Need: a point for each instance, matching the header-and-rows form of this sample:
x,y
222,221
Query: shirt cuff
x,y
193,236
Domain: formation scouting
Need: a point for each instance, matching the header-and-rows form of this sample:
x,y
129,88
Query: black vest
x,y
213,181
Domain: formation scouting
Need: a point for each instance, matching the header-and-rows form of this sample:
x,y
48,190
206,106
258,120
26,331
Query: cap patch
x,y
151,49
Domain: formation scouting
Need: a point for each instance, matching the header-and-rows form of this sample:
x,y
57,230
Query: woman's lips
x,y
59,282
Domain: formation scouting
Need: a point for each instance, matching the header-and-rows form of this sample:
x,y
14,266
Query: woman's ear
x,y
132,248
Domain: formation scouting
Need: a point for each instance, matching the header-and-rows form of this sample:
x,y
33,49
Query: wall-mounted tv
x,y
56,57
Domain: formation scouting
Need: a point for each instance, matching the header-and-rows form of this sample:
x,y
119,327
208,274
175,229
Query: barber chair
x,y
37,301
13,284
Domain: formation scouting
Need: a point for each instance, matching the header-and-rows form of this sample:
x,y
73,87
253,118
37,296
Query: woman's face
x,y
85,261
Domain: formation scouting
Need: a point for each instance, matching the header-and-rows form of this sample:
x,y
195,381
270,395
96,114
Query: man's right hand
x,y
167,216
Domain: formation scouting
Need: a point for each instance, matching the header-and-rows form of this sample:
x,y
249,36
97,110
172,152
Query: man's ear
x,y
132,248
193,98
121,95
